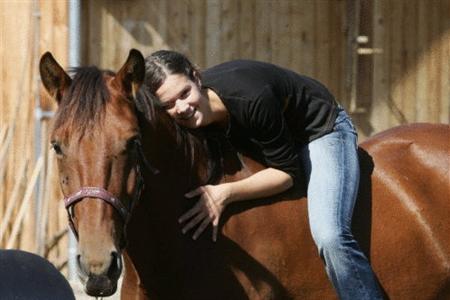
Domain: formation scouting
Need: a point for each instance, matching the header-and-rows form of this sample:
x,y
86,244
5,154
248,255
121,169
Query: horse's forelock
x,y
83,103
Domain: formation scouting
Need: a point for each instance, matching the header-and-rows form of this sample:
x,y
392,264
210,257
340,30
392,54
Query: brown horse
x,y
109,139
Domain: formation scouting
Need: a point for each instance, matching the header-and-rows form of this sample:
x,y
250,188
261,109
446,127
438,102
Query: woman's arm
x,y
214,198
262,184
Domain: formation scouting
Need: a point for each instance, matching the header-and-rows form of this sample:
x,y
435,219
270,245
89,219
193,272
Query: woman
x,y
295,124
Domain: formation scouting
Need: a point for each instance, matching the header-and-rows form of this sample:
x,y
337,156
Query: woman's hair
x,y
166,62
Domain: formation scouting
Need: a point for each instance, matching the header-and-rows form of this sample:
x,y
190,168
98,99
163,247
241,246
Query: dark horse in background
x,y
112,144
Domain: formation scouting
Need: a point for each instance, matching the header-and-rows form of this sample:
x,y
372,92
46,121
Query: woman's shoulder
x,y
240,78
240,65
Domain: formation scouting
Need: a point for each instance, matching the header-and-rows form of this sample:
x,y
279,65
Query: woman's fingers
x,y
215,229
198,191
197,219
208,209
201,228
191,212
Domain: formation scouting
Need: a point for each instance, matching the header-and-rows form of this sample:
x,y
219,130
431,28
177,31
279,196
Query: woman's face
x,y
183,100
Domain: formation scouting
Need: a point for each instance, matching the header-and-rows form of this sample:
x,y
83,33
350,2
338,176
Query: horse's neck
x,y
179,163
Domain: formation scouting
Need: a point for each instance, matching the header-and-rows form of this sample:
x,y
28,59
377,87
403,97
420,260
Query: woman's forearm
x,y
265,183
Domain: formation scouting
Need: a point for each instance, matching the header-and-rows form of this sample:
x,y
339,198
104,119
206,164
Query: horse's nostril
x,y
116,265
81,269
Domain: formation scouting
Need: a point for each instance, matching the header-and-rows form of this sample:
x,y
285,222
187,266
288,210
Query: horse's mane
x,y
83,103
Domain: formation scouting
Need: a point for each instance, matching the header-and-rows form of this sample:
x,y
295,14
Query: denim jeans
x,y
332,171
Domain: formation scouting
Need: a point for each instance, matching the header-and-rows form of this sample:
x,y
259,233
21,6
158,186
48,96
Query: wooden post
x,y
353,11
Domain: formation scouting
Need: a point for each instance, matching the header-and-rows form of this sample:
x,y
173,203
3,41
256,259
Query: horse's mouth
x,y
102,285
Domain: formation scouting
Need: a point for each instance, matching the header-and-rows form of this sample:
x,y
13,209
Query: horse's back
x,y
406,199
25,275
401,221
424,144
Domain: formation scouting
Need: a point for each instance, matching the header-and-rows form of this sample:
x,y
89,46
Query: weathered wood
x,y
25,204
12,201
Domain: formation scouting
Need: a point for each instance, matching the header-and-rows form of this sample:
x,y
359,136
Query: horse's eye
x,y
132,142
57,148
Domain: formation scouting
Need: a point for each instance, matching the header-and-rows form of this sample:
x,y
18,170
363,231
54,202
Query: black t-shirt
x,y
271,109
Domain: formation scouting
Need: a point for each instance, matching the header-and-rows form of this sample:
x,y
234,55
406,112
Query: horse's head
x,y
96,140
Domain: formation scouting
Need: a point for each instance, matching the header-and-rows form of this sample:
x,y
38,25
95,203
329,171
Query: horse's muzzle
x,y
102,285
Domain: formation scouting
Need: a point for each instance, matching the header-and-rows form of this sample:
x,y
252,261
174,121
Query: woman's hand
x,y
212,201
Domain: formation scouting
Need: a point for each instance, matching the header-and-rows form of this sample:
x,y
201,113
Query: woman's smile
x,y
187,116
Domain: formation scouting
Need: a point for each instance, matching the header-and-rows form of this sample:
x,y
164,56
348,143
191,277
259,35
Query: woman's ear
x,y
198,78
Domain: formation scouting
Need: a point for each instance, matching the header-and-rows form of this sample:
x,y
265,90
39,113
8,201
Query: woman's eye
x,y
184,95
169,105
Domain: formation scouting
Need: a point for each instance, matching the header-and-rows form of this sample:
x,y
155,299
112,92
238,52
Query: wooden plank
x,y
263,31
213,32
322,38
379,113
421,106
444,116
196,15
396,69
247,28
163,20
11,203
302,37
433,68
352,10
178,26
337,49
229,32
93,33
409,58
281,33
25,207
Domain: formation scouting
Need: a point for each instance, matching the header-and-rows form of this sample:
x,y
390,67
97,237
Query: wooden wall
x,y
27,29
308,36
411,78
407,82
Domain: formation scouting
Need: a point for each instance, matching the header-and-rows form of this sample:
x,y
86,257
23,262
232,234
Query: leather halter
x,y
102,194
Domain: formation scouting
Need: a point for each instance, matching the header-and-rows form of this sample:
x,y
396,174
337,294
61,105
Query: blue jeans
x,y
332,171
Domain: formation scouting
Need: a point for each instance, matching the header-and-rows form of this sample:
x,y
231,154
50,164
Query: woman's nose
x,y
182,107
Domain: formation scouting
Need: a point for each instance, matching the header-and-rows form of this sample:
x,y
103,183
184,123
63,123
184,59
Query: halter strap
x,y
100,193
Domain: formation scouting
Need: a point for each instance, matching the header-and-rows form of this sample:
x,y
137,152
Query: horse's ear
x,y
53,76
131,76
